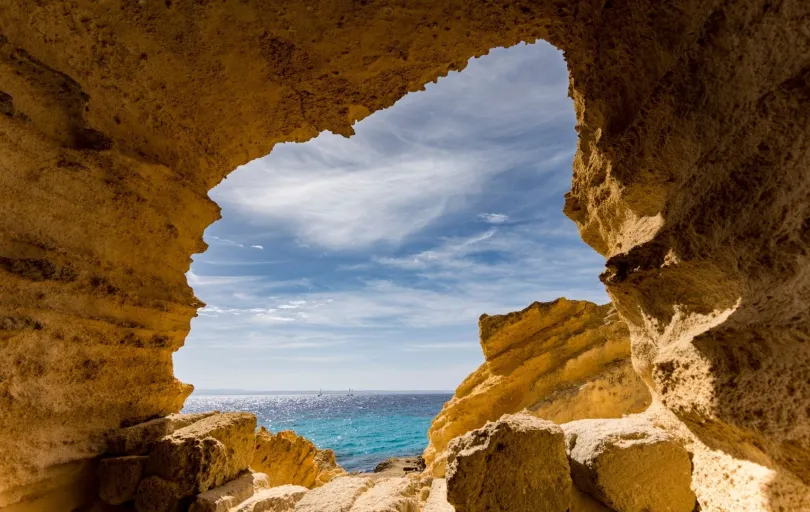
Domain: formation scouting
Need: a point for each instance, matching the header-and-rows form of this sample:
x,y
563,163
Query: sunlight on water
x,y
363,430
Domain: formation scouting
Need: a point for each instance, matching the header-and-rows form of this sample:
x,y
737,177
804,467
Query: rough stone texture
x,y
630,465
397,494
582,502
517,463
119,477
725,483
437,500
205,454
337,496
291,459
138,439
157,494
228,496
563,360
117,117
276,499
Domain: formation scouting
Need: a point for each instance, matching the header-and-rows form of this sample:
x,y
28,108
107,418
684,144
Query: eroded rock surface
x,y
119,478
630,465
517,463
228,496
291,459
437,499
205,454
562,360
396,494
139,439
275,499
338,495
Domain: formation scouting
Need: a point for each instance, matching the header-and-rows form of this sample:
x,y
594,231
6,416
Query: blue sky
x,y
366,262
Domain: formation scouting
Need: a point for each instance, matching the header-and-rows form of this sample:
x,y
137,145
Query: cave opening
x,y
363,263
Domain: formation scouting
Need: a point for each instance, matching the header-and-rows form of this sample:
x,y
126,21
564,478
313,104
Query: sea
x,y
363,429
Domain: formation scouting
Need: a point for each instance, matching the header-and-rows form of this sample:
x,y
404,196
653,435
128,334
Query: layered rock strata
x,y
562,360
294,460
200,463
116,118
168,461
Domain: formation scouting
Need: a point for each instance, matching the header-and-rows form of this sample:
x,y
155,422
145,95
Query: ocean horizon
x,y
216,392
363,428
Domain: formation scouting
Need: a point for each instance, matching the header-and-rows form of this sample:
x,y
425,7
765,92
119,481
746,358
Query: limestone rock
x,y
275,499
563,360
517,463
437,499
630,465
138,439
583,502
205,454
397,494
336,496
288,458
119,478
157,494
228,496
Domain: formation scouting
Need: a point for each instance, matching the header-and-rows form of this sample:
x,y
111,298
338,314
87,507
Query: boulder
x,y
562,360
398,494
291,459
119,478
517,463
275,499
138,439
337,496
226,497
630,465
205,454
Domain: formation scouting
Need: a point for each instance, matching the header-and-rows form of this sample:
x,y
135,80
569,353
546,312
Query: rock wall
x,y
563,360
117,117
289,459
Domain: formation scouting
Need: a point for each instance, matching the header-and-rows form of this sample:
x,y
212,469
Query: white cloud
x,y
346,198
410,166
494,218
256,247
225,241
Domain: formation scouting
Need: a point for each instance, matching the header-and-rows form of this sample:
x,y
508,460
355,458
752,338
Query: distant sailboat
x,y
320,392
350,392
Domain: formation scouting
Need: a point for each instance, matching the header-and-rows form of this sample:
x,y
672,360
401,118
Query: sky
x,y
365,262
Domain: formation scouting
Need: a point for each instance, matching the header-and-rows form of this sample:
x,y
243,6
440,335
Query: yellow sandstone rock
x,y
205,454
515,464
339,495
291,459
562,360
630,465
228,496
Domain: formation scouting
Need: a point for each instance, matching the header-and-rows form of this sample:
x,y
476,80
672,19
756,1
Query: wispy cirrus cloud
x,y
494,218
387,247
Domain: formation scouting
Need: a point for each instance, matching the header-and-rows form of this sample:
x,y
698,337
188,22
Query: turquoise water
x,y
363,429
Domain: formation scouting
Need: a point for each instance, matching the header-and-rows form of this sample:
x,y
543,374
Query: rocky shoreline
x,y
400,466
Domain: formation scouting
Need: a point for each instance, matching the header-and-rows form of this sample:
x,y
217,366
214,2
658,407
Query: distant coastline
x,y
216,392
